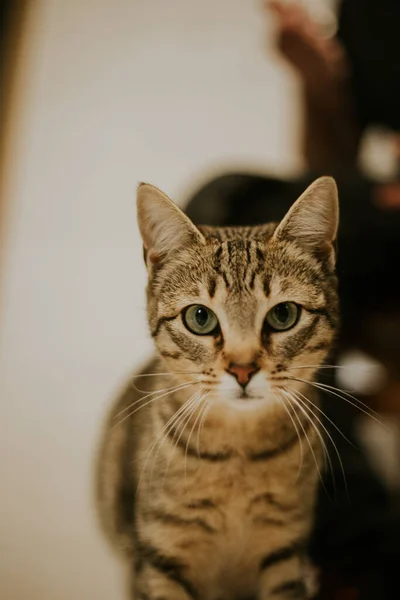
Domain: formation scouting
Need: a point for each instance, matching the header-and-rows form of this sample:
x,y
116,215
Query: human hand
x,y
319,60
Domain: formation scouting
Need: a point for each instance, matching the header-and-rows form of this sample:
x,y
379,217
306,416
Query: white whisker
x,y
307,407
203,396
180,417
327,418
180,428
155,374
326,454
335,392
167,390
346,393
170,422
165,374
324,366
208,406
282,400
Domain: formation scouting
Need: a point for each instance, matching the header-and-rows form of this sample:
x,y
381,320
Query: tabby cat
x,y
207,481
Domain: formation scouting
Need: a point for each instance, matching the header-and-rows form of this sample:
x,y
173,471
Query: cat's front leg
x,y
161,581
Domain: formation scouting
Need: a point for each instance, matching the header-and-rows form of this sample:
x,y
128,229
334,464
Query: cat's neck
x,y
221,425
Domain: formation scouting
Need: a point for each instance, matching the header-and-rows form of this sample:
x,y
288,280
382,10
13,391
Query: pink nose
x,y
242,373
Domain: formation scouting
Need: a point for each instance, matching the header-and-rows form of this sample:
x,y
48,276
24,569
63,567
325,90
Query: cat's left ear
x,y
313,219
163,226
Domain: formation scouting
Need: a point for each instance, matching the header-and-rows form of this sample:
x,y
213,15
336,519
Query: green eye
x,y
200,319
283,316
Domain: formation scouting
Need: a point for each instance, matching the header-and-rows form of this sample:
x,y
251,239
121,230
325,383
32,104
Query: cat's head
x,y
242,309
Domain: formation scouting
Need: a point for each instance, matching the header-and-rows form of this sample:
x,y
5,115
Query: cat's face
x,y
242,309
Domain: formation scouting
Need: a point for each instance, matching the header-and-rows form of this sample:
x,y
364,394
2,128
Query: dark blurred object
x,y
12,20
12,16
6,15
369,31
348,82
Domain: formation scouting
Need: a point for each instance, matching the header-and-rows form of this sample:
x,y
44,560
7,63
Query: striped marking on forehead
x,y
223,234
237,262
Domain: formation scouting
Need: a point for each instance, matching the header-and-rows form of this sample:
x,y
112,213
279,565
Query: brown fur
x,y
209,488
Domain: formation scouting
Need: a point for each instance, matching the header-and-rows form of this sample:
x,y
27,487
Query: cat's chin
x,y
246,402
246,396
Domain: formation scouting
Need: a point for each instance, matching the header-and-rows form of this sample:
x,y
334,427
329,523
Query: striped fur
x,y
208,490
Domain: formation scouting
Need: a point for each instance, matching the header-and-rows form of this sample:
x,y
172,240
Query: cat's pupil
x,y
282,313
201,316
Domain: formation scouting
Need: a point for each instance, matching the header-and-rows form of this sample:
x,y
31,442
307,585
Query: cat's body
x,y
209,489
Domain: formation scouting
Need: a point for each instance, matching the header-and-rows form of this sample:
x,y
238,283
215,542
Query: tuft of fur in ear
x,y
313,219
163,226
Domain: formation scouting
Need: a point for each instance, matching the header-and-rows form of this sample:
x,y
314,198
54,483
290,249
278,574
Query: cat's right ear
x,y
313,219
163,226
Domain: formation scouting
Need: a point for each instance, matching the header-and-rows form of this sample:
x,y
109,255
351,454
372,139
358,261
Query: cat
x,y
207,481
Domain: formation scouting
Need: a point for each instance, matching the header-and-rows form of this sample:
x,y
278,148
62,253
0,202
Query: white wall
x,y
111,93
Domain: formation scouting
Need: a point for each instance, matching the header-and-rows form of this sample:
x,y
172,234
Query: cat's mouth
x,y
233,394
246,396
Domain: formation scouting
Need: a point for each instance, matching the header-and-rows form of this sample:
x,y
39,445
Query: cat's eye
x,y
200,320
283,316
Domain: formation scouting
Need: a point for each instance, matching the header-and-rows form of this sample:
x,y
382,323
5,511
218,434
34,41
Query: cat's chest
x,y
235,485
245,504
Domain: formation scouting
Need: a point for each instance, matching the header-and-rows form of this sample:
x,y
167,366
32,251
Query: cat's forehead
x,y
243,255
240,278
239,264
237,254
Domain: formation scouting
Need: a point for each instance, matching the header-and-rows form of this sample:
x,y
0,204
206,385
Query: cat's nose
x,y
242,373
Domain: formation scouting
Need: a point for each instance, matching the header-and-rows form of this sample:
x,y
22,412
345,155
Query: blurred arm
x,y
331,136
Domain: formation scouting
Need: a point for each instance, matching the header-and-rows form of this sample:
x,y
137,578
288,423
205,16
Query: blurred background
x,y
95,97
